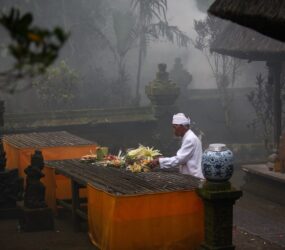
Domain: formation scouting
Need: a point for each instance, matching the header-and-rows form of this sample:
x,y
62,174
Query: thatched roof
x,y
265,16
241,42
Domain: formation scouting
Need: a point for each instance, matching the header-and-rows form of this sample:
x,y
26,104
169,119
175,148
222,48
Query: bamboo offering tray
x,y
56,145
122,182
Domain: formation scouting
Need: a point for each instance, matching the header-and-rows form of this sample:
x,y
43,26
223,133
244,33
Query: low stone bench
x,y
259,180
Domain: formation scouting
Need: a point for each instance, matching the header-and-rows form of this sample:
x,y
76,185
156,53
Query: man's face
x,y
179,130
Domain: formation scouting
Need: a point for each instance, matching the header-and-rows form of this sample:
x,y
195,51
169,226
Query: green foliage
x,y
58,87
33,48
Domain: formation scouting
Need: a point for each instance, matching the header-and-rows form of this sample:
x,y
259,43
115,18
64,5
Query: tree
x,y
261,99
58,87
124,30
225,69
33,48
152,24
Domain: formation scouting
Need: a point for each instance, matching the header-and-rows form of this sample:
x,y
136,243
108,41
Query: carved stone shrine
x,y
35,215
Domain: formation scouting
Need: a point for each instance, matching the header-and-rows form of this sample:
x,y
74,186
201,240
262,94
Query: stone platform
x,y
40,219
259,180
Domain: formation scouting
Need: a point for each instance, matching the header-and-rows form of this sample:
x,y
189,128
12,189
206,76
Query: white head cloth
x,y
180,119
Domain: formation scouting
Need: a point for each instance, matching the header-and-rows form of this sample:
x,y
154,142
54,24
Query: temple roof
x,y
265,16
244,43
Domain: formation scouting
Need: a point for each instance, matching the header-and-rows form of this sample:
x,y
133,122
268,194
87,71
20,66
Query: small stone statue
x,y
179,75
35,190
162,75
162,93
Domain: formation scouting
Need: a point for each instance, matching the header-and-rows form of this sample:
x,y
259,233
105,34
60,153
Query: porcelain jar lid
x,y
217,147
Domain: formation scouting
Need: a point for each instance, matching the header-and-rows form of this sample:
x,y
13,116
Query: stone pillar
x,y
218,199
274,74
162,93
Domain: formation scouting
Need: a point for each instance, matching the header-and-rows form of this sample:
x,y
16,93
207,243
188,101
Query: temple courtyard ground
x,y
258,225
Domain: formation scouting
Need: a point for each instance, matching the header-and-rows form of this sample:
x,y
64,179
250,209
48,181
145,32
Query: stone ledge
x,y
77,117
39,219
263,171
264,183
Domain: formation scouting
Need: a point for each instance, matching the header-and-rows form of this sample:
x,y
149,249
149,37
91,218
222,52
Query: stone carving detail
x,y
35,190
162,75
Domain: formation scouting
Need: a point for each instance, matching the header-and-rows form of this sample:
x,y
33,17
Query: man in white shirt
x,y
188,157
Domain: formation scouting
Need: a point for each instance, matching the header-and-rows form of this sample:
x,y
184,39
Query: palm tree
x,y
123,25
124,29
125,35
152,24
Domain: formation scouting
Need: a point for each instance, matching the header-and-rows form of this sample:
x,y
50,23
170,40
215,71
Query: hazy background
x,y
92,61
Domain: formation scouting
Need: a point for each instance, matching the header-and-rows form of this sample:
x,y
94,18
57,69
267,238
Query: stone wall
x,y
128,127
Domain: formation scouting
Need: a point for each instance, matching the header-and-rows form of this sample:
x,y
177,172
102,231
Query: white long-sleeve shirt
x,y
188,157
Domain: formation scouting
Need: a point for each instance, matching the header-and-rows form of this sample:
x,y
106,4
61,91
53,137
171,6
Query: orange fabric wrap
x,y
21,157
172,220
57,186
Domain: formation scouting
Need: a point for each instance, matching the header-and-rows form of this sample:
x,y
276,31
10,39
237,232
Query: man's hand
x,y
154,163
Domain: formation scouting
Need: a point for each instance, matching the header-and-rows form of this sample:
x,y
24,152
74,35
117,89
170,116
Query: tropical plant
x,y
124,30
225,69
152,24
33,48
58,87
261,99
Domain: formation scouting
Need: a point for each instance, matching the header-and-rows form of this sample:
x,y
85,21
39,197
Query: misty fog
x,y
92,60
108,86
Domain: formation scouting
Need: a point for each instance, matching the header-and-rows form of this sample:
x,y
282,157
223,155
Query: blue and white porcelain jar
x,y
217,163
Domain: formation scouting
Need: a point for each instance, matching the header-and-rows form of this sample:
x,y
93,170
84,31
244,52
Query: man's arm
x,y
181,157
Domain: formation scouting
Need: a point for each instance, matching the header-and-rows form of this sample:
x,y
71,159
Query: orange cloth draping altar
x,y
21,157
171,220
57,186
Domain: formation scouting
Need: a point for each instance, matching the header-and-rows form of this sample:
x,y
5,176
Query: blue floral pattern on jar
x,y
217,165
